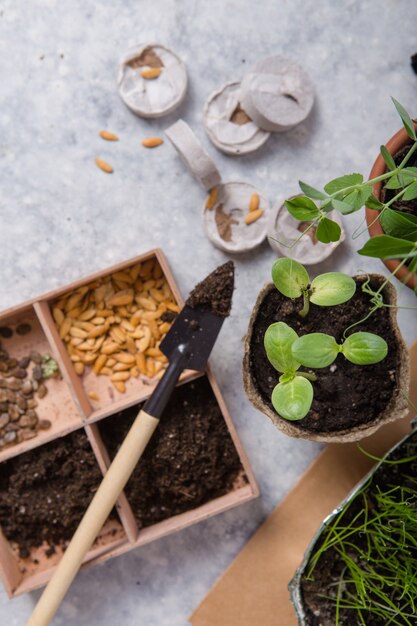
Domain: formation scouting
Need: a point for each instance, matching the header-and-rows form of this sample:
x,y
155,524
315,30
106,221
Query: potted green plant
x,y
361,565
390,197
324,359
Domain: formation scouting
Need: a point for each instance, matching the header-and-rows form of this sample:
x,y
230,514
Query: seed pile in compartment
x,y
44,494
112,328
34,400
190,460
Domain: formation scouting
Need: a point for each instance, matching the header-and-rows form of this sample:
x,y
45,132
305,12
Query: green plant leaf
x,y
292,400
398,224
358,197
328,230
393,183
384,246
343,207
411,192
332,288
389,161
338,184
373,203
315,350
364,348
290,277
302,208
278,340
311,192
406,119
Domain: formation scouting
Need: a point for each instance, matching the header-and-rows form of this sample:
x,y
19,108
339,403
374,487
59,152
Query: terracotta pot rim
x,y
396,408
397,141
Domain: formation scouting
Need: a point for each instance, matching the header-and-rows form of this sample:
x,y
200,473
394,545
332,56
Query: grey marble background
x,y
61,218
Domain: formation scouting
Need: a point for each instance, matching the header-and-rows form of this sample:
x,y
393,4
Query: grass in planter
x,y
374,545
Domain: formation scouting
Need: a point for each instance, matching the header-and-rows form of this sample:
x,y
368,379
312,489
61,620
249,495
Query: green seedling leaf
x,y
292,400
339,184
394,182
364,348
332,288
315,350
290,277
311,192
411,192
343,207
328,230
406,119
358,197
278,340
302,208
389,161
398,224
385,246
373,203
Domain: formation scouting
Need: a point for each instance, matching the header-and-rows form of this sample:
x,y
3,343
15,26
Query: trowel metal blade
x,y
197,328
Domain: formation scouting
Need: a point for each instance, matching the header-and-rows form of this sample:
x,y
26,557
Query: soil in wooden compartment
x,y
345,395
190,460
379,527
45,492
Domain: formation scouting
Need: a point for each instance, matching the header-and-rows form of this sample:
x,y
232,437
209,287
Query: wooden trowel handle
x,y
97,513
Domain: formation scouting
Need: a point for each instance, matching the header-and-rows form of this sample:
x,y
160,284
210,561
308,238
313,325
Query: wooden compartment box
x,y
75,402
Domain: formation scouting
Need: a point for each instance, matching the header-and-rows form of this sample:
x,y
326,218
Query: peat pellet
x,y
277,93
157,97
228,126
23,329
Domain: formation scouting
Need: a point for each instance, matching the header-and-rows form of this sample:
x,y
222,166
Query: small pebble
x,y
10,437
24,362
14,412
36,357
42,391
37,373
4,419
27,387
15,384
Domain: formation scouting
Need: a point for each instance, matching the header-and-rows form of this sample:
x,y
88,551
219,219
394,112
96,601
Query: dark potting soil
x,y
329,569
190,459
215,292
345,395
44,492
405,206
413,61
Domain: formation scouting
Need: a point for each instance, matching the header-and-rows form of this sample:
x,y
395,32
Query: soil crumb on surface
x,y
190,459
216,291
45,492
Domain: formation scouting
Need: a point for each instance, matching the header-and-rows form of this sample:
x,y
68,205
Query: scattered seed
x,y
108,136
212,198
253,216
151,73
93,395
152,142
254,202
105,167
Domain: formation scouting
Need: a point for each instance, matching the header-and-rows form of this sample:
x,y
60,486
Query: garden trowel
x,y
187,345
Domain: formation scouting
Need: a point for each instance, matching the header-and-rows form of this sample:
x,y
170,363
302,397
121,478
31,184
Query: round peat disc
x,y
152,80
193,154
228,125
284,230
277,93
224,223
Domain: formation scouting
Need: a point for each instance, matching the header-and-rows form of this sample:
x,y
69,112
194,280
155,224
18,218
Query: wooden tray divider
x,y
60,352
9,567
123,507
